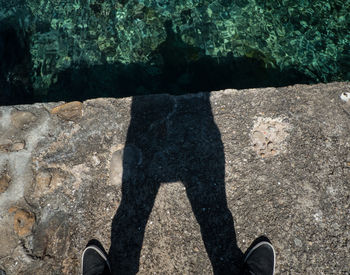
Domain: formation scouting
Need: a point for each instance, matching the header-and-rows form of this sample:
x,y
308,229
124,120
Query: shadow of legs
x,y
128,226
208,201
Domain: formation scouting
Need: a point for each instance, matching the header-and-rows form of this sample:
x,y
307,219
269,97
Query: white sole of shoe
x,y
98,250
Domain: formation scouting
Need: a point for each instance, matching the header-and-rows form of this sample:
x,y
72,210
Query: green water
x,y
78,49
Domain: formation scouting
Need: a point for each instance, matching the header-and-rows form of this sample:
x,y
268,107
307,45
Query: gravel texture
x,y
178,184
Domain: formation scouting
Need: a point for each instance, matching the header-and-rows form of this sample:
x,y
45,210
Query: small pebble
x,y
298,242
345,96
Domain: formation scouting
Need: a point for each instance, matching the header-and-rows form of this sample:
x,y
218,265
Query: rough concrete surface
x,y
176,169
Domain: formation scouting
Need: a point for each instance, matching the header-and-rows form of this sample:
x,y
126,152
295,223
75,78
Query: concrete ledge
x,y
176,168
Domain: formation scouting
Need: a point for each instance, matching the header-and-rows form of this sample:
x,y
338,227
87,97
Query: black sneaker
x,y
94,259
260,258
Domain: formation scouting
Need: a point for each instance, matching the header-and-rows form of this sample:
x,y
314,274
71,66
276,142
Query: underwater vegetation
x,y
308,37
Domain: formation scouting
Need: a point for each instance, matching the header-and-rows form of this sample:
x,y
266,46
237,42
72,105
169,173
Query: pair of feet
x,y
259,259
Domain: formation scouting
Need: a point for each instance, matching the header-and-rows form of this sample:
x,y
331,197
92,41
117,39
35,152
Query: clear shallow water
x,y
78,49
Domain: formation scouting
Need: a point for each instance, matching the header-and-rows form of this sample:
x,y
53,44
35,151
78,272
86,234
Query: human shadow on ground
x,y
174,139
